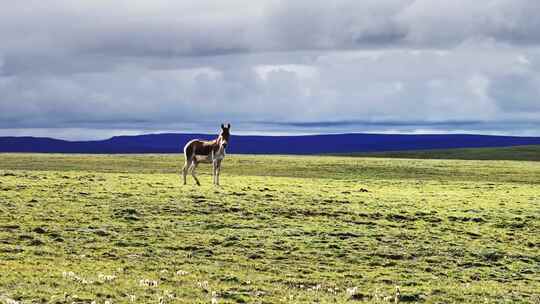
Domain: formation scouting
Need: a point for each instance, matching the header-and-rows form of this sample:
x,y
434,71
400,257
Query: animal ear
x,y
222,126
228,126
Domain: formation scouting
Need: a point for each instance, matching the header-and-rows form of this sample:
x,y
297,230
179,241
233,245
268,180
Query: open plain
x,y
280,229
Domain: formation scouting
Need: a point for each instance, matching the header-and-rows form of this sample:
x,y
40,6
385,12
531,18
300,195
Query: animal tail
x,y
189,150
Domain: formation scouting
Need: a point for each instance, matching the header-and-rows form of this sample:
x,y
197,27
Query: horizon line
x,y
273,134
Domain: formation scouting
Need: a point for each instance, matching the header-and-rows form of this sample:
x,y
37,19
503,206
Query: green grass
x,y
281,229
528,153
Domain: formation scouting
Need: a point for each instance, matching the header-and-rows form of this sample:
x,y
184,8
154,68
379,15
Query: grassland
x,y
528,153
281,229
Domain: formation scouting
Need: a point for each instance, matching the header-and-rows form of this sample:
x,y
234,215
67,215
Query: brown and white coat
x,y
201,151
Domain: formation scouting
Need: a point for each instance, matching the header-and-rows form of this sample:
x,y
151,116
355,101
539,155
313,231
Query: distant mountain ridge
x,y
249,144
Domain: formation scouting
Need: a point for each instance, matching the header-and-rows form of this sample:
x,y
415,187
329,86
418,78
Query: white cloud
x,y
302,71
521,59
161,65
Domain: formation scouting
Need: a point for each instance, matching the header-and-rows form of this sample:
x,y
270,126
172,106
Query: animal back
x,y
204,149
199,147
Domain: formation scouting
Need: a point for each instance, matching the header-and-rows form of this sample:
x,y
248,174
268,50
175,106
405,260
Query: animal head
x,y
225,134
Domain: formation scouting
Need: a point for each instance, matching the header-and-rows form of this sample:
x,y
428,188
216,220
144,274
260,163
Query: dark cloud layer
x,y
208,28
304,66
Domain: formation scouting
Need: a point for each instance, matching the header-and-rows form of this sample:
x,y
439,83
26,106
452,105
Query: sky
x,y
97,68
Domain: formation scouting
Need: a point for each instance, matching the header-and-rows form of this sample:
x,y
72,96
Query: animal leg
x,y
193,167
218,170
214,172
185,170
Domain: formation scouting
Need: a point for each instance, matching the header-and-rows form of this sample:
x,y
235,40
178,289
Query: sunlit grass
x,y
83,228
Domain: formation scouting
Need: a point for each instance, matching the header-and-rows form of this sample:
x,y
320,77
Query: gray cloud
x,y
444,22
398,65
181,28
517,92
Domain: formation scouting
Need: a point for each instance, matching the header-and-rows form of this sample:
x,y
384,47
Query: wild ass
x,y
201,151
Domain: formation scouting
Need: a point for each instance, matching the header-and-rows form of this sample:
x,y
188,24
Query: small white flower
x,y
147,282
203,285
106,278
352,291
8,300
72,276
